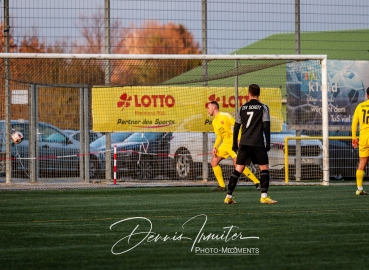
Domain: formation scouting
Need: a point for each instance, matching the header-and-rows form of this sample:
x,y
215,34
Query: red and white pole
x,y
115,164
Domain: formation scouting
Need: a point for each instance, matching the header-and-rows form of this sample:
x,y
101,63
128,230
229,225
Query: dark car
x,y
145,155
115,138
343,158
57,153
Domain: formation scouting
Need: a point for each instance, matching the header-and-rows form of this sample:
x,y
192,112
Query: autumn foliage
x,y
56,75
152,37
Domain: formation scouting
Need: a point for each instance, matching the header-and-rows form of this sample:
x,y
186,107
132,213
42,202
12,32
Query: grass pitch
x,y
311,227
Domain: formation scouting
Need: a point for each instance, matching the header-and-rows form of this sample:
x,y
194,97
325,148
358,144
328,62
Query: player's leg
x,y
246,171
260,156
252,177
264,183
360,175
233,180
242,158
218,173
363,160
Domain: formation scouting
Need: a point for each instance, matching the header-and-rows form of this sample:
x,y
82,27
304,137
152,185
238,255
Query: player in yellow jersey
x,y
223,127
361,117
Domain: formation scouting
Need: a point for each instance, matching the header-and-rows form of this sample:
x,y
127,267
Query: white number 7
x,y
250,117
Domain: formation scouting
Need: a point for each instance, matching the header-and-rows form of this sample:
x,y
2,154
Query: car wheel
x,y
94,168
145,170
337,177
184,164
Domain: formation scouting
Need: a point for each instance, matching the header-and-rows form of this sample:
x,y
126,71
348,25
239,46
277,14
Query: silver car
x,y
186,149
58,154
76,134
311,156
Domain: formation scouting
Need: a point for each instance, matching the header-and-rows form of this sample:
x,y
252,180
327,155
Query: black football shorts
x,y
255,154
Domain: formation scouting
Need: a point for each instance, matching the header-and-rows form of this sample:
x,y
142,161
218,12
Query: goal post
x,y
168,93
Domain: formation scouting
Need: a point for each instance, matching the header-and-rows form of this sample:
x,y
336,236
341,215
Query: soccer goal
x,y
149,112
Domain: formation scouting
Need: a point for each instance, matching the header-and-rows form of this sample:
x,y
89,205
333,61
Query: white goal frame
x,y
107,57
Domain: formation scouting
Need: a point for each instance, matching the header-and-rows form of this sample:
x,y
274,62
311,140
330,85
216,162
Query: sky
x,y
230,24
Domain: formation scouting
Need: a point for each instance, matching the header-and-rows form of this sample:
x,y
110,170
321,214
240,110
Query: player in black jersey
x,y
254,118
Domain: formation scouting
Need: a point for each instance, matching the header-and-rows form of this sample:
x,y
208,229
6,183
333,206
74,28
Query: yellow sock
x,y
250,175
359,178
219,175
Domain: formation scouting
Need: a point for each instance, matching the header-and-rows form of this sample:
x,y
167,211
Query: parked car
x,y
145,155
311,156
187,153
343,158
76,134
58,153
141,155
186,150
116,138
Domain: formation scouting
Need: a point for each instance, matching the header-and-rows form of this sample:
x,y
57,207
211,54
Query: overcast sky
x,y
231,24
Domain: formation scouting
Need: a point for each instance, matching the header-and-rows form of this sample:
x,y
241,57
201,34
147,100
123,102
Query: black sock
x,y
264,181
233,179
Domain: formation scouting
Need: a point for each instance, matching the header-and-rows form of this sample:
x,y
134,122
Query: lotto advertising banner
x,y
347,83
179,109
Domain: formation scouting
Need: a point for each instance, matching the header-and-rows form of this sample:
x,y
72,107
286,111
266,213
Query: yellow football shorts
x,y
364,147
225,150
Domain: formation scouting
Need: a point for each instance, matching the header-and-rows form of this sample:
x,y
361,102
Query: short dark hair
x,y
367,91
254,90
215,103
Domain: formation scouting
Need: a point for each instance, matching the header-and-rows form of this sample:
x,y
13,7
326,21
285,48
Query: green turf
x,y
311,227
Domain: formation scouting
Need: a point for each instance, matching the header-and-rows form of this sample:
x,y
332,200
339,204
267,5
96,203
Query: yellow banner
x,y
165,108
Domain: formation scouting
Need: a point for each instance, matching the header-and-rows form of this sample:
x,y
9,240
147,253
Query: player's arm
x,y
239,135
236,130
355,121
218,140
266,130
233,121
266,126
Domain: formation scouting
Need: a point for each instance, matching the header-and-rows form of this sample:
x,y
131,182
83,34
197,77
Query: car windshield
x,y
49,134
55,137
115,138
143,137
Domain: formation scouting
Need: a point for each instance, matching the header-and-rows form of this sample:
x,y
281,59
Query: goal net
x,y
144,117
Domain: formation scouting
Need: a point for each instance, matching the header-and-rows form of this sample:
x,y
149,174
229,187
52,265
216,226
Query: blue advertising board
x,y
347,83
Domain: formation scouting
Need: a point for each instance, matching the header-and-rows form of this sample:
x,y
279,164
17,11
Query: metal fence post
x,y
81,128
8,162
33,132
86,127
297,50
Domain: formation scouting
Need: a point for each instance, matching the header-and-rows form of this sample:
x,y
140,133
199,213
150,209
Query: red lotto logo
x,y
212,98
124,101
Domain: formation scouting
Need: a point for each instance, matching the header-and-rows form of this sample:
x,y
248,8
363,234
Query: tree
x,y
12,45
150,38
154,38
92,31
